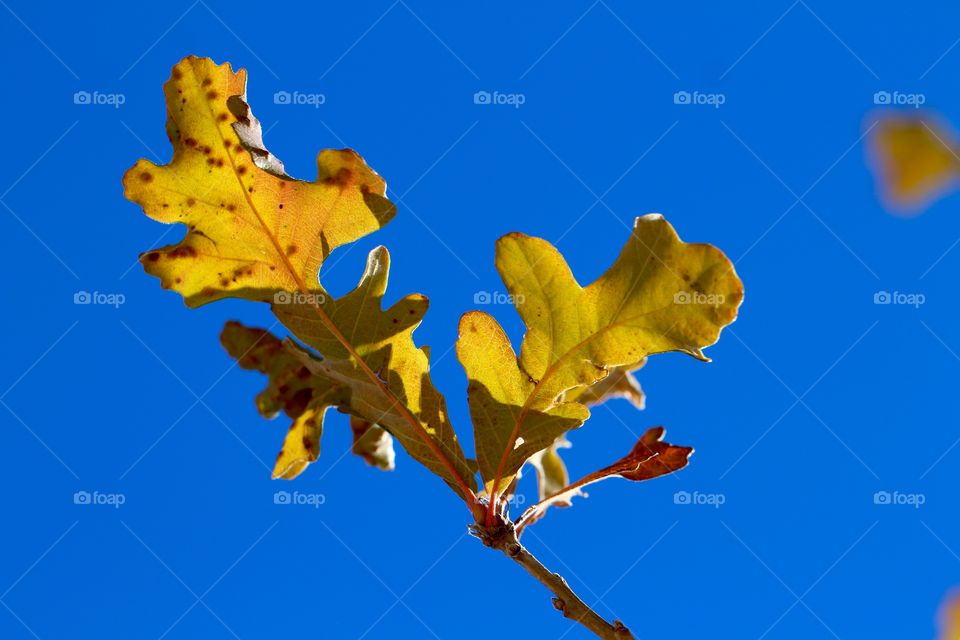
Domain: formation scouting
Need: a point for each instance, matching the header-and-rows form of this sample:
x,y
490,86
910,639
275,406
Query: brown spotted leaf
x,y
255,233
650,458
251,232
291,388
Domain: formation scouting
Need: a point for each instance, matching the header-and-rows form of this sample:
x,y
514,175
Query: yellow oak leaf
x,y
255,233
661,294
497,394
383,341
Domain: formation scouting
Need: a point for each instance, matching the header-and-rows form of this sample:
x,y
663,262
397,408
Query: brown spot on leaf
x,y
291,249
183,252
343,178
146,176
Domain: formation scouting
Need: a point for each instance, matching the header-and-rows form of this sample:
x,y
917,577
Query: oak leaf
x,y
660,295
255,233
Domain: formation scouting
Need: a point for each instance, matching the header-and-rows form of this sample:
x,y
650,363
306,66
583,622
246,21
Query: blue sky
x,y
816,399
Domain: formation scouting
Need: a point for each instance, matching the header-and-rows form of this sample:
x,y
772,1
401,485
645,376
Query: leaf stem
x,y
504,539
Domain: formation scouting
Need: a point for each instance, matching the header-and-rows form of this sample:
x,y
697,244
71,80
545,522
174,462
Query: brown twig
x,y
503,537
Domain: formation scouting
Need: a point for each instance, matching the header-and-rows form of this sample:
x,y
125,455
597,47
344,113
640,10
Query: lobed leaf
x,y
256,233
660,295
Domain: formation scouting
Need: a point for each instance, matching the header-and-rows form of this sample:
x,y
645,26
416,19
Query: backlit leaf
x,y
497,393
255,233
660,295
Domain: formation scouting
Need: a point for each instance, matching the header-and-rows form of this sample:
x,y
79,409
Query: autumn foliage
x,y
255,233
